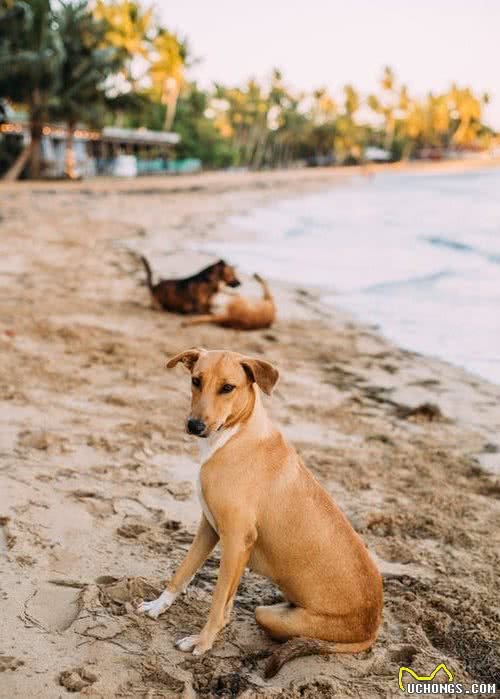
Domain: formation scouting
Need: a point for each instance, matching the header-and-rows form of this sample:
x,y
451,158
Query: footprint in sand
x,y
8,662
53,607
7,539
43,441
155,535
97,505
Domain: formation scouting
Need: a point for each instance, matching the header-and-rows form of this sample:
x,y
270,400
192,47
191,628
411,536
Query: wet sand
x,y
97,504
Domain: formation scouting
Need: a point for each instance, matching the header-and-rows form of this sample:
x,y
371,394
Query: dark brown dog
x,y
191,294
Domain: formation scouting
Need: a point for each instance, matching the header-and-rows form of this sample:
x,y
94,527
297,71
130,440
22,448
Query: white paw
x,y
187,644
157,606
198,650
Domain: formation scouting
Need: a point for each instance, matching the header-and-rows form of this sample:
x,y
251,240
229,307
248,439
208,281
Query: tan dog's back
x,y
246,314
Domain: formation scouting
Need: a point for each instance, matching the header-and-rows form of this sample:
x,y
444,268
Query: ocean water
x,y
418,255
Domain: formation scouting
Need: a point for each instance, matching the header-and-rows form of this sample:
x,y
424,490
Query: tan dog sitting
x,y
268,512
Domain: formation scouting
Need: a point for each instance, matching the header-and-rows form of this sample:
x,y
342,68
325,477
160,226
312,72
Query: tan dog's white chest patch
x,y
204,505
208,447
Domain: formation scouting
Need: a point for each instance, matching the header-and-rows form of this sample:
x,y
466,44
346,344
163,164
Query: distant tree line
x,y
113,62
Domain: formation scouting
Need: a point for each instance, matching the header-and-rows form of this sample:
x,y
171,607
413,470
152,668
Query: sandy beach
x,y
97,497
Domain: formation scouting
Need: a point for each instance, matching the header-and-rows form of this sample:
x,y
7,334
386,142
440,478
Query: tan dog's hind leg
x,y
199,320
235,553
310,634
200,549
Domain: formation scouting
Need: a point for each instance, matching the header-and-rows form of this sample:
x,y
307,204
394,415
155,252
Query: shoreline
x,y
221,180
320,289
96,484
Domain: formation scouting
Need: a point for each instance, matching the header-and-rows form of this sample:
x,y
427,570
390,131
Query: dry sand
x,y
97,504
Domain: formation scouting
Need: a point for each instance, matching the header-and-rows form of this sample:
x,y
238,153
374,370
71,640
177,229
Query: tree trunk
x,y
36,128
407,149
171,110
19,164
69,154
259,150
389,131
170,97
36,154
459,135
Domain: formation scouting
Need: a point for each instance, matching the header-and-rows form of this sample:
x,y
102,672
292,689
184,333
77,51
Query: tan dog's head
x,y
222,387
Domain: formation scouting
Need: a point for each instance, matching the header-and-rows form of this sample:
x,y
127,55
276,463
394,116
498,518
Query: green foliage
x,y
199,136
85,67
31,53
73,61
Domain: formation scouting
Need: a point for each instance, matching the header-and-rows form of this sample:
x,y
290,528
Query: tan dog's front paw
x,y
194,644
157,606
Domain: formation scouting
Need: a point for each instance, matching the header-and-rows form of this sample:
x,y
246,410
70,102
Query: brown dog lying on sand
x,y
242,313
268,511
191,294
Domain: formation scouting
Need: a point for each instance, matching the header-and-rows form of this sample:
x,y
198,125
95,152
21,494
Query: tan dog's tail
x,y
149,274
301,646
265,288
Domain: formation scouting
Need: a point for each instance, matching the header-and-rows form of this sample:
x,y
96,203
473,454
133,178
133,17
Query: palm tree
x,y
468,109
412,126
128,30
347,132
167,71
391,100
30,58
84,70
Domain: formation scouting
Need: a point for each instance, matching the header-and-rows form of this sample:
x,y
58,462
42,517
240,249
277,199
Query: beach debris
x,y
490,448
132,530
78,584
425,412
379,437
182,490
490,489
341,378
77,679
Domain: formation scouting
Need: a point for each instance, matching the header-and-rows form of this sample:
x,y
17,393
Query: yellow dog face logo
x,y
423,678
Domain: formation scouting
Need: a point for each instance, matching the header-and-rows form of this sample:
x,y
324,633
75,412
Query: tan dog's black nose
x,y
196,427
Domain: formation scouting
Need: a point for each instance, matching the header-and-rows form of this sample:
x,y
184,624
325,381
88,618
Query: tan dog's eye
x,y
196,381
227,388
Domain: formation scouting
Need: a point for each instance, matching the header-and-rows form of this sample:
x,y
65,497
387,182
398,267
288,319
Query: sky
x,y
316,43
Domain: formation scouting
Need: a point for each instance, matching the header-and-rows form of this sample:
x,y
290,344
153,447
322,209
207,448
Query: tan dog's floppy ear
x,y
263,373
188,358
